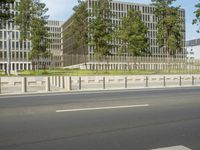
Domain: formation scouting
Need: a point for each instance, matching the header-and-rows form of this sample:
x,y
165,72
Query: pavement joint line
x,y
2,96
179,147
102,108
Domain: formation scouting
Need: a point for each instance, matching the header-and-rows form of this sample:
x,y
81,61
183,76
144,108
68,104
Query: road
x,y
104,120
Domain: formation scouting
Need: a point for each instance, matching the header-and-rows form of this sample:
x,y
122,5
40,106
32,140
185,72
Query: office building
x,y
193,49
120,9
19,51
55,42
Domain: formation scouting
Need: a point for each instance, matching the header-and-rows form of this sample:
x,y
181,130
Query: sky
x,y
62,9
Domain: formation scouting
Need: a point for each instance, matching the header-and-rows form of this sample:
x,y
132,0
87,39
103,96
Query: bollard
x,y
104,83
24,84
193,80
164,79
56,81
79,83
62,82
48,84
0,85
180,81
147,83
126,83
68,83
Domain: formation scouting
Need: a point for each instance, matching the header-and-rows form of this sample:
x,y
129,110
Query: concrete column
x,y
24,84
47,83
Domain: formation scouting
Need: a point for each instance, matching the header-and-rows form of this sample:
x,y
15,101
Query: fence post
x,y
180,81
104,83
79,83
192,80
47,84
0,85
147,81
164,81
126,83
24,85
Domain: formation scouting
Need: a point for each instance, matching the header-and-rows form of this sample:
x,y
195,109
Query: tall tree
x,y
169,26
101,28
5,13
78,30
133,34
31,20
197,14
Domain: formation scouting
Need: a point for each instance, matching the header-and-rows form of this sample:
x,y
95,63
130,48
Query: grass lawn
x,y
78,72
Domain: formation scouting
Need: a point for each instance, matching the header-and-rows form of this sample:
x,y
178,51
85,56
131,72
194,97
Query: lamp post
x,y
9,54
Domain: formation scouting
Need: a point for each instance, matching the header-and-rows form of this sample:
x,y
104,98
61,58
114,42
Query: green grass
x,y
78,72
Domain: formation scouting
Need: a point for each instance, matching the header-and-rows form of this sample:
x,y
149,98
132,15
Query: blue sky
x,y
62,9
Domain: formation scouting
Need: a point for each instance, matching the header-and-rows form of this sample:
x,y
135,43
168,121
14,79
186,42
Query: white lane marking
x,y
102,108
180,147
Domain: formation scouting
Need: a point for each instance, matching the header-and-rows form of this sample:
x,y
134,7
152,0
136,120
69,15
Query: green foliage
x,y
197,14
5,10
32,21
100,28
170,31
132,34
78,30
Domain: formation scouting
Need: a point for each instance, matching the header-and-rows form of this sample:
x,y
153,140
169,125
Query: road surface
x,y
105,120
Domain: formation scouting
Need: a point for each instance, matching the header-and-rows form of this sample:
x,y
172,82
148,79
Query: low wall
x,y
66,83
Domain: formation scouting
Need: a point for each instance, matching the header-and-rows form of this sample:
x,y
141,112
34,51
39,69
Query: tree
x,y
133,34
32,24
79,27
197,14
170,30
100,28
5,13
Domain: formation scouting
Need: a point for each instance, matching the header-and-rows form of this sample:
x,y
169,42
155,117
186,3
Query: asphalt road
x,y
104,120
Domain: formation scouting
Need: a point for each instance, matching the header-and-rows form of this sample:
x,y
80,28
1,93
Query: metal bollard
x,y
62,82
164,79
180,81
193,80
79,83
24,84
104,83
0,85
48,84
147,81
126,83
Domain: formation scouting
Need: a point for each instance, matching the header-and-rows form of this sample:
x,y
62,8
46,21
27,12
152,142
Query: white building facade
x,y
19,51
10,45
55,42
193,49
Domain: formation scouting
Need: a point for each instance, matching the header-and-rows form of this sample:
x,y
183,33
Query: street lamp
x,y
9,50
